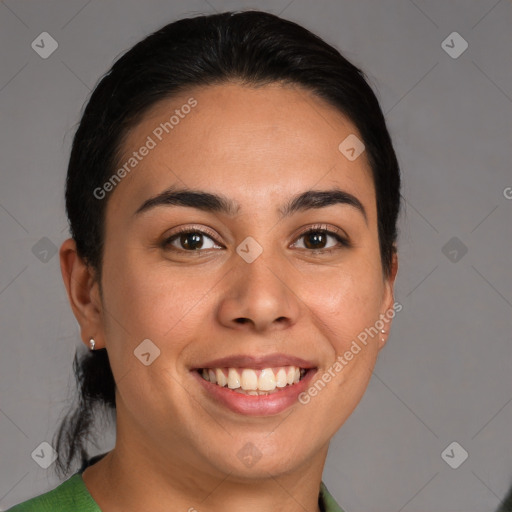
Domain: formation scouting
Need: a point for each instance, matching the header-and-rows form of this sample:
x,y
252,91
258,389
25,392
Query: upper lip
x,y
256,362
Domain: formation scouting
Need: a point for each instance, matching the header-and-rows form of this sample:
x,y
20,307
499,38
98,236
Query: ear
x,y
388,300
83,293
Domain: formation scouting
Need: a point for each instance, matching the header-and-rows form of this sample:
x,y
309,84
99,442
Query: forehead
x,y
254,144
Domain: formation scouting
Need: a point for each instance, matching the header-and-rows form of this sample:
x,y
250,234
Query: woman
x,y
233,194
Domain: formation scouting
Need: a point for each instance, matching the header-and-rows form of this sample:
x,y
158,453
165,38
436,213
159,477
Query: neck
x,y
127,480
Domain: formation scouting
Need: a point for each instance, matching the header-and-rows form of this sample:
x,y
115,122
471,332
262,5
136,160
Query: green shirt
x,y
73,496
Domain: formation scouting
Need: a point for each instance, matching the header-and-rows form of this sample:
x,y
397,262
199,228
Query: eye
x,y
189,240
315,239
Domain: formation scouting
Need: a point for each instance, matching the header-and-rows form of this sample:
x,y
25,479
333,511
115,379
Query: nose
x,y
258,296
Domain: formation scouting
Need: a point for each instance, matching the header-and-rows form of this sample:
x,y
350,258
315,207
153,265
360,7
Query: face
x,y
246,282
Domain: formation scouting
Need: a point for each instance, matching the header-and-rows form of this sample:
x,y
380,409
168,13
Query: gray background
x,y
446,372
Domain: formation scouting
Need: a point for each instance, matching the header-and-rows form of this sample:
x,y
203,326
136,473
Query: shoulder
x,y
70,495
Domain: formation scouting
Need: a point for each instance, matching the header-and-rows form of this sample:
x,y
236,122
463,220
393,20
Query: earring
x,y
92,343
383,332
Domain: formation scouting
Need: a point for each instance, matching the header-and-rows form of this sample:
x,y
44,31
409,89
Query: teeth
x,y
221,378
233,379
249,380
281,378
290,376
254,393
254,382
267,380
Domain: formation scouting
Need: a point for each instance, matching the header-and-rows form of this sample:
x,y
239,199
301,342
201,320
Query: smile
x,y
272,390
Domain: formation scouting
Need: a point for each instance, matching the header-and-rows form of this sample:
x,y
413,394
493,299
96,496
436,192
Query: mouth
x,y
254,392
254,382
254,385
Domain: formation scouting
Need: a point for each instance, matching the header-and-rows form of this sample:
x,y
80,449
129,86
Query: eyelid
x,y
327,228
191,228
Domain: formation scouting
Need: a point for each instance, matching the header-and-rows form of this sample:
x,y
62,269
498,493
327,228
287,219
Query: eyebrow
x,y
218,203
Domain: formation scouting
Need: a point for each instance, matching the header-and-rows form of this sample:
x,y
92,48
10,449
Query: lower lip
x,y
253,405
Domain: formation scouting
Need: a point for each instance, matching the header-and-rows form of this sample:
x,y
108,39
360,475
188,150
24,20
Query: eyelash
x,y
166,244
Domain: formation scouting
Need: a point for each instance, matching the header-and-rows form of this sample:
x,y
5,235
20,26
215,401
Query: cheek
x,y
152,300
347,299
149,302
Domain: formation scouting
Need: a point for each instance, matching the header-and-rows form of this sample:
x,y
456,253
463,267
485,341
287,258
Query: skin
x,y
176,448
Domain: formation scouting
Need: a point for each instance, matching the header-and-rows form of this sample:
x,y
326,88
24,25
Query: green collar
x,y
72,494
326,501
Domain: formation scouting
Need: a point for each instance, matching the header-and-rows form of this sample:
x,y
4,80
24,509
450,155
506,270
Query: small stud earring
x,y
383,332
92,343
